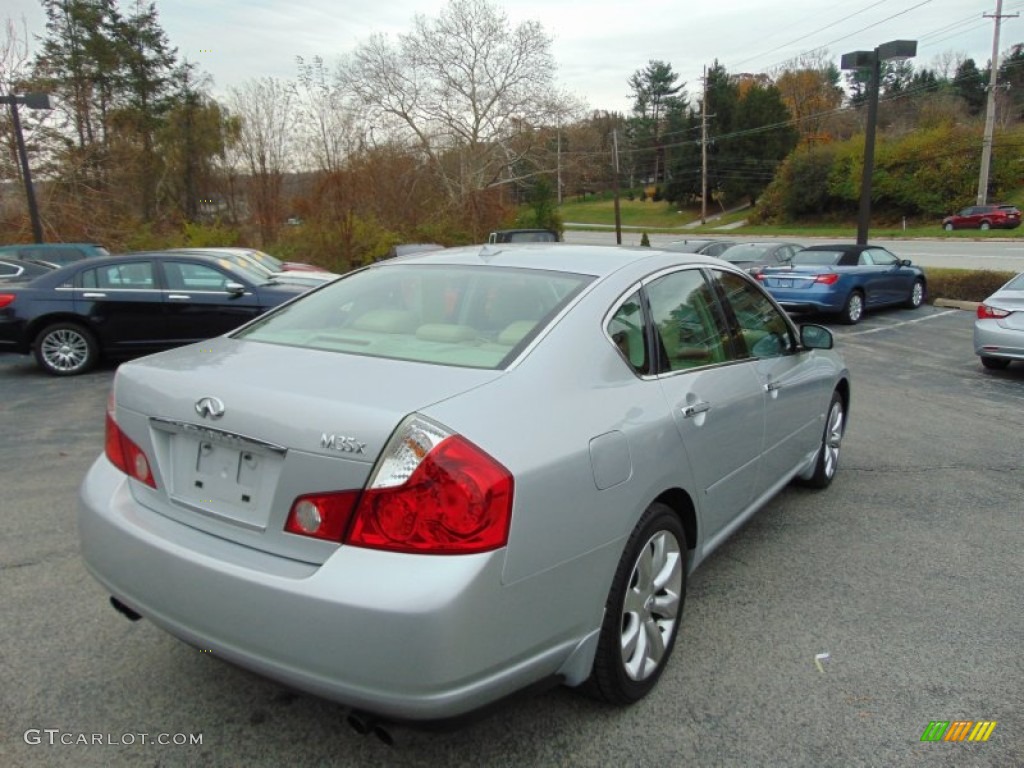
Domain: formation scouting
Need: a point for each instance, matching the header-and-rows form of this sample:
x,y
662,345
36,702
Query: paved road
x,y
983,253
907,572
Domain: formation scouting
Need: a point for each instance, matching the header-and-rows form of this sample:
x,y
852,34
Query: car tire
x,y
853,309
994,363
985,226
948,227
65,349
827,463
916,297
643,610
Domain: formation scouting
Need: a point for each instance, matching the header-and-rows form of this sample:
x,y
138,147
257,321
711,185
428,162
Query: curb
x,y
956,304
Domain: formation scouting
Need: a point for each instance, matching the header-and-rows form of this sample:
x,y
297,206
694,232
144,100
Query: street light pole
x,y
864,211
896,49
26,174
32,101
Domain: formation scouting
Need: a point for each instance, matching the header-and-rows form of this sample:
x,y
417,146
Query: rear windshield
x,y
817,258
738,253
471,316
1017,284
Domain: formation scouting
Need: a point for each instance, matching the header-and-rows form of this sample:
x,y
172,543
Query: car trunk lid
x,y
235,434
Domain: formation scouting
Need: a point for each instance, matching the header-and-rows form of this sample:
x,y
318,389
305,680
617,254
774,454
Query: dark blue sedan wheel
x,y
853,309
916,296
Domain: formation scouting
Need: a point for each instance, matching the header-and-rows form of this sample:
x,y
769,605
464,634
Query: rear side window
x,y
627,329
127,275
471,316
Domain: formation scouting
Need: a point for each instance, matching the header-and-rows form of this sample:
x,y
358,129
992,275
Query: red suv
x,y
984,217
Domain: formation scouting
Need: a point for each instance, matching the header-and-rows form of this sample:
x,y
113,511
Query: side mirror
x,y
816,337
905,262
235,289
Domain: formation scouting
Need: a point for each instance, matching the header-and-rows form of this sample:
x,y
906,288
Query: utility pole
x,y
559,164
704,151
618,215
990,107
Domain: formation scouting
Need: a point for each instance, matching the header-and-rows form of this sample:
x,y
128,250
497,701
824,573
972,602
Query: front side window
x,y
189,276
687,321
472,316
762,330
881,258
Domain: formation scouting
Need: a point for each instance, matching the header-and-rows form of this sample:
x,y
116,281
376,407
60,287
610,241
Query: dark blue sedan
x,y
845,280
127,305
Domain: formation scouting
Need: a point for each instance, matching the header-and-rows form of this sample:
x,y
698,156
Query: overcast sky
x,y
597,45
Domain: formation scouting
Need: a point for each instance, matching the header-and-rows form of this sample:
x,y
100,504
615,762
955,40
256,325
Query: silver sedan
x,y
440,480
999,327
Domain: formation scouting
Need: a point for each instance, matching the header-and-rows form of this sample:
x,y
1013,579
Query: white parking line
x,y
897,325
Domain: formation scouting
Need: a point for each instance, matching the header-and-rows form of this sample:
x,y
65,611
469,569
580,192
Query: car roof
x,y
844,247
596,260
16,246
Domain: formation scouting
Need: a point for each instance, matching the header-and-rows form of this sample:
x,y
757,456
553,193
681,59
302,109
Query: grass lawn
x,y
662,218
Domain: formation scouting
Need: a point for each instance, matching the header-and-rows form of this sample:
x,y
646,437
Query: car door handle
x,y
695,408
178,296
94,295
772,386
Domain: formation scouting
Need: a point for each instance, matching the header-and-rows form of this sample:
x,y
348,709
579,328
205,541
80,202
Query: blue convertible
x,y
844,279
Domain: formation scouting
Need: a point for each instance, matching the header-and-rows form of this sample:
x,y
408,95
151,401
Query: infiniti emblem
x,y
210,407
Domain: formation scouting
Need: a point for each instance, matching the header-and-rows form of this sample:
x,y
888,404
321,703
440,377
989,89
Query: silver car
x,y
440,480
999,327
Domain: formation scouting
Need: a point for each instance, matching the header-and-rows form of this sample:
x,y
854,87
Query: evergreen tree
x,y
969,85
656,95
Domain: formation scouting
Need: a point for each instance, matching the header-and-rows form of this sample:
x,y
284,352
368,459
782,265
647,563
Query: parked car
x,y
524,236
127,305
270,263
705,247
999,327
56,254
845,280
404,249
20,271
442,479
984,217
755,256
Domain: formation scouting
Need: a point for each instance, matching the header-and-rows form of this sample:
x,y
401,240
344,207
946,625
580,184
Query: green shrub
x,y
964,284
645,241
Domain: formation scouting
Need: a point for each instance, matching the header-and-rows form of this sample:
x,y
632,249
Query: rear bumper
x,y
808,300
992,340
401,636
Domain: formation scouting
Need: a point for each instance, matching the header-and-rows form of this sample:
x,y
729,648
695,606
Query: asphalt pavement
x,y
830,631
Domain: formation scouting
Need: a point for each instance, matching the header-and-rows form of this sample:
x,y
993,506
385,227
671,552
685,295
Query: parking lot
x,y
907,573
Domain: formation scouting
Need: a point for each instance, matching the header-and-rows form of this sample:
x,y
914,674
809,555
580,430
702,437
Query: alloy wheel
x,y
65,350
651,606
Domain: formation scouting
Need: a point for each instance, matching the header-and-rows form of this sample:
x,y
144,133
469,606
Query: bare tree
x,y
264,146
14,68
326,124
465,88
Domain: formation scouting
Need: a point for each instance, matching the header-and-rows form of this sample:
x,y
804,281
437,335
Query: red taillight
x,y
759,276
458,500
433,492
124,453
829,278
6,299
322,515
985,312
